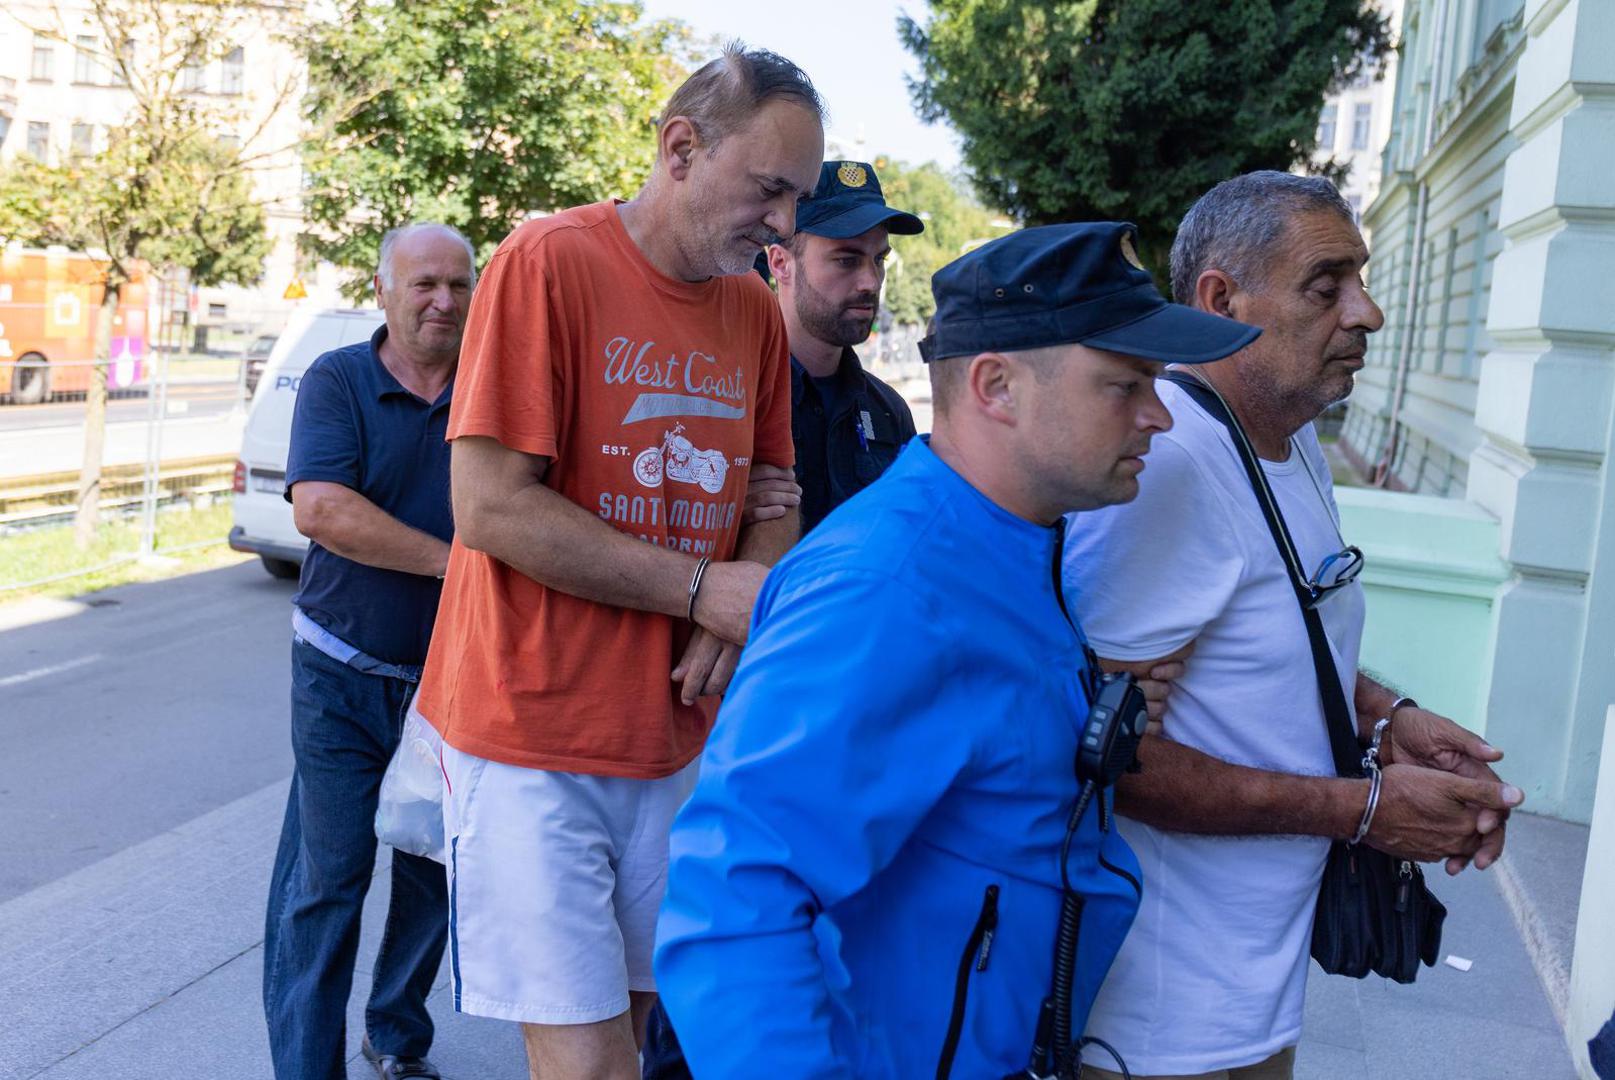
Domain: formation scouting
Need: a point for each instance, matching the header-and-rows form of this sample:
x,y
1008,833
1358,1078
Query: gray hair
x,y
389,240
1235,226
723,95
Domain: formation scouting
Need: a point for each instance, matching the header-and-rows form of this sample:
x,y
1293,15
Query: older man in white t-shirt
x,y
1236,805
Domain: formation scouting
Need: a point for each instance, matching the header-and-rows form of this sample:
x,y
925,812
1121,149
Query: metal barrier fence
x,y
171,432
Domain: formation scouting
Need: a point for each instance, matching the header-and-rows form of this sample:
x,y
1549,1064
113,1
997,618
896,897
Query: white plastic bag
x,y
409,813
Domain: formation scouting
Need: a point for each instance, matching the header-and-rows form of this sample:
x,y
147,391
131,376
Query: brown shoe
x,y
394,1067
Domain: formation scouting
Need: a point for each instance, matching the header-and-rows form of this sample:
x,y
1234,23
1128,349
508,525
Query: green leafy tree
x,y
954,223
166,192
475,113
1130,109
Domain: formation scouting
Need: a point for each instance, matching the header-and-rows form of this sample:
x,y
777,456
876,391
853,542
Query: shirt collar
x,y
387,383
848,374
1014,536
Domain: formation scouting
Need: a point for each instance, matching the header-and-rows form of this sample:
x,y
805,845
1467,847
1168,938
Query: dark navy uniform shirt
x,y
848,429
357,426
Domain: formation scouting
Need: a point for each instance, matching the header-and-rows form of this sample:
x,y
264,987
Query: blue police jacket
x,y
866,880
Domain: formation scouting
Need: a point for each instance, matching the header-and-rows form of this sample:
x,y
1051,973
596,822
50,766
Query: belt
x,y
309,632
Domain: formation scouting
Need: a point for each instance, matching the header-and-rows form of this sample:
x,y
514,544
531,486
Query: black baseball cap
x,y
1069,284
847,202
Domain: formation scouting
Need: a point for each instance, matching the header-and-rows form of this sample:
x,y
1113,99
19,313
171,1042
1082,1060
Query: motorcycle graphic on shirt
x,y
678,459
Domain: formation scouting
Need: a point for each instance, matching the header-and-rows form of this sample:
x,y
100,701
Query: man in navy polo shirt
x,y
368,480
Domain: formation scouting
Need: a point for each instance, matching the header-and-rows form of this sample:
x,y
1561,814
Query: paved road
x,y
61,449
188,400
141,798
133,714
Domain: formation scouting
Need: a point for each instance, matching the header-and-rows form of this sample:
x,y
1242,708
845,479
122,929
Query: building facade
x,y
1436,236
1491,393
61,96
1355,122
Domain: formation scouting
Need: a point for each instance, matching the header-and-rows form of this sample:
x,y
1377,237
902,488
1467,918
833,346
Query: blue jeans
x,y
663,1057
1601,1051
345,726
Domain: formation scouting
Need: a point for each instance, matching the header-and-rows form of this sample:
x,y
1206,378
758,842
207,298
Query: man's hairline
x,y
701,141
1139,365
470,278
789,243
1264,279
410,231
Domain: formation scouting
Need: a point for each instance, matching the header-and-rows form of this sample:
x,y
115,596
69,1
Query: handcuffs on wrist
x,y
1371,766
695,584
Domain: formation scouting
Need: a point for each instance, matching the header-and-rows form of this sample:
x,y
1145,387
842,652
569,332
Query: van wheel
x,y
284,569
30,380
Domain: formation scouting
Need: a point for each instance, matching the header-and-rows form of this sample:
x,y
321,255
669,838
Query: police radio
x,y
1115,726
1106,749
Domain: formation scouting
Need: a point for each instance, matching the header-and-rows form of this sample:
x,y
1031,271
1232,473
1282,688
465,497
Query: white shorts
x,y
555,880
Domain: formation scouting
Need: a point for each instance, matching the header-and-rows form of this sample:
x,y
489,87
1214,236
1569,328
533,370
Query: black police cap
x,y
1069,284
847,202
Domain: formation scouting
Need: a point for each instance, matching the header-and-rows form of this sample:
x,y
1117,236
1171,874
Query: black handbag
x,y
1375,913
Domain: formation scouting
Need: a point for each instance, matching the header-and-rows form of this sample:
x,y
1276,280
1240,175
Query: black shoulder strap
x,y
1090,674
1336,713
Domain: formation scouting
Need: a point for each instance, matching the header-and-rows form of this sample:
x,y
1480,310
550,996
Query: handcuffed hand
x,y
1429,815
706,667
1420,737
771,491
724,602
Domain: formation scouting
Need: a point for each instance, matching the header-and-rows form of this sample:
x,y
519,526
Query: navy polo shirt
x,y
848,428
357,426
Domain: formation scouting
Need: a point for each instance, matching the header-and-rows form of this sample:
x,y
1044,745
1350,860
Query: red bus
x,y
48,306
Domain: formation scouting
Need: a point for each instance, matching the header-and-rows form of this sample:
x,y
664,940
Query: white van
x,y
263,518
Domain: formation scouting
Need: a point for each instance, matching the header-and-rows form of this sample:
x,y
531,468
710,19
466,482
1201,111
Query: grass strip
x,y
46,562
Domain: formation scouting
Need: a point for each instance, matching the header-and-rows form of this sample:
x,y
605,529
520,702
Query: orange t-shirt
x,y
651,396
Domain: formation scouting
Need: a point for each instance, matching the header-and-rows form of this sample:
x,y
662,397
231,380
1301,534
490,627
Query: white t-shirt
x,y
1213,974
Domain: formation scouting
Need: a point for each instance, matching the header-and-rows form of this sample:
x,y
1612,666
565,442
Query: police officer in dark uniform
x,y
847,425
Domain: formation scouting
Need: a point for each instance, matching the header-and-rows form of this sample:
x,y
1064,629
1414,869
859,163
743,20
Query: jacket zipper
x,y
1107,862
1123,874
978,947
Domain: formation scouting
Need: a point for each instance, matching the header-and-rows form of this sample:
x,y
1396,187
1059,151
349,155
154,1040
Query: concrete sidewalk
x,y
147,966
1494,1022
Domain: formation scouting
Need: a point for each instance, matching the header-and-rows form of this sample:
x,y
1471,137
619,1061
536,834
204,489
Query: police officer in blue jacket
x,y
867,879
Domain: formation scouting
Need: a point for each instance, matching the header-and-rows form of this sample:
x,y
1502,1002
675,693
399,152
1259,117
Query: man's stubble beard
x,y
822,319
713,248
1349,383
1295,405
730,262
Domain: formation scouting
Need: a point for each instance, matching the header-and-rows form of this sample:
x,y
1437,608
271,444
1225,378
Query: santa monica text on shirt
x,y
710,517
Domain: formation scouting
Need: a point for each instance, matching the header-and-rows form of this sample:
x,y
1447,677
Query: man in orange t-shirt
x,y
622,371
